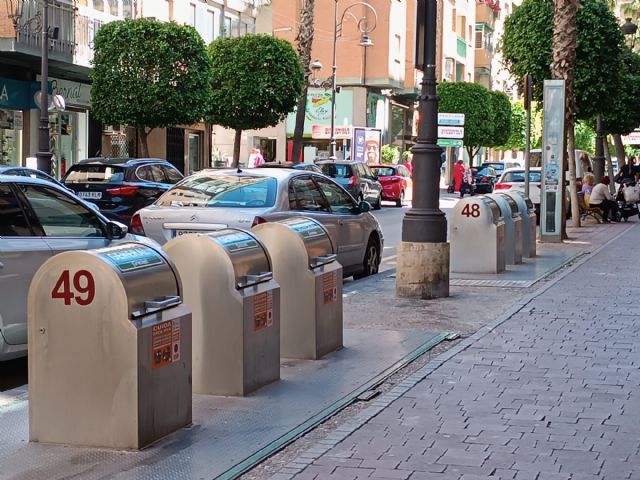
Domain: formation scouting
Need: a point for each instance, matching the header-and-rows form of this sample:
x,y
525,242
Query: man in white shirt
x,y
601,197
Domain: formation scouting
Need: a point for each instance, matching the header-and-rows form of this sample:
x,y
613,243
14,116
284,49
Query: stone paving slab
x,y
550,391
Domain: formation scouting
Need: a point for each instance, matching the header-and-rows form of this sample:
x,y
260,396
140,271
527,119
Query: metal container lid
x,y
316,240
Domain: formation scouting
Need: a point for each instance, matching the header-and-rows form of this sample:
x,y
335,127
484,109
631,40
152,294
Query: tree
x,y
474,101
518,125
585,137
256,81
304,43
500,119
149,74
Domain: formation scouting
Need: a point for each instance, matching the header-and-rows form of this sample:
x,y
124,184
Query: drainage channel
x,y
364,392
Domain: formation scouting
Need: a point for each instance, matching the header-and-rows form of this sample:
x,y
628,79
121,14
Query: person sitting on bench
x,y
601,197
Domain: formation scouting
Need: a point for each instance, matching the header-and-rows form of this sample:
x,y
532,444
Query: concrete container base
x,y
422,270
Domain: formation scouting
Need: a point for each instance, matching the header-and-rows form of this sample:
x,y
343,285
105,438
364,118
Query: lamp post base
x,y
422,270
44,161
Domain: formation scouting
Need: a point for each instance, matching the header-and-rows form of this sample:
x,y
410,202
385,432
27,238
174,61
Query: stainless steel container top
x,y
495,208
148,276
250,260
515,211
316,240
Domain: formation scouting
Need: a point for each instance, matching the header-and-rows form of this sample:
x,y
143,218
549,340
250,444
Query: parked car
x,y
215,199
397,185
500,167
308,166
121,186
356,178
39,219
484,179
29,172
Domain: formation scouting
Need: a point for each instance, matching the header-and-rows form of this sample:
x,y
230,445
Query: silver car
x,y
39,219
215,199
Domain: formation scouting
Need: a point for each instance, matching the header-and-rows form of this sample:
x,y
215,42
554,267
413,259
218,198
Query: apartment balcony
x,y
461,47
28,37
486,13
483,58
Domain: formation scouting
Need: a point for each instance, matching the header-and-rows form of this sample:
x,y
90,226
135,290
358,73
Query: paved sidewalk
x,y
550,392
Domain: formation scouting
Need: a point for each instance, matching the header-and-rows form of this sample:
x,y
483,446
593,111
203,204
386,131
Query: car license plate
x,y
90,195
179,233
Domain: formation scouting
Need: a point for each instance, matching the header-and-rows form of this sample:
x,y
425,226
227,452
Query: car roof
x,y
521,169
124,161
338,162
36,181
277,173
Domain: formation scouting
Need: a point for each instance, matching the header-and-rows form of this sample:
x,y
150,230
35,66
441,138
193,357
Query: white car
x,y
39,219
214,199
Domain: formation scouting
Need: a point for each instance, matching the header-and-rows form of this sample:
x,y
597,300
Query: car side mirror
x,y
116,230
364,207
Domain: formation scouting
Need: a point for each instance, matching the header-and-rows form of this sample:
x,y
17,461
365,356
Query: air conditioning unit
x,y
108,129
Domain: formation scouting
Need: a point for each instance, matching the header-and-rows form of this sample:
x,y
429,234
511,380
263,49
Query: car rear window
x,y
518,177
383,171
222,191
94,173
337,170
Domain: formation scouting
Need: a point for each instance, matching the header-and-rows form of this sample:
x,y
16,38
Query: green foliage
x,y
585,137
390,154
474,101
518,125
500,119
149,74
527,44
256,81
624,116
405,155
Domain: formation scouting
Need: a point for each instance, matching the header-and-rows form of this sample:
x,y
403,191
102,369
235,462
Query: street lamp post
x,y
365,28
423,253
43,155
629,29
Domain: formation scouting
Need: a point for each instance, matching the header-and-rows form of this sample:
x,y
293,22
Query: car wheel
x,y
371,262
378,204
400,201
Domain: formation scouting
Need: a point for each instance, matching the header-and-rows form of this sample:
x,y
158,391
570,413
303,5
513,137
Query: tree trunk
x,y
573,191
304,43
144,141
617,142
563,66
298,132
607,156
470,153
236,149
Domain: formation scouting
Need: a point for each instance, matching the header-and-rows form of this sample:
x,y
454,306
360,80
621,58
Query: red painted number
x,y
471,210
83,285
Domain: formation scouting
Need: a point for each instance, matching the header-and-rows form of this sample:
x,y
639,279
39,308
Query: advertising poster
x,y
366,145
358,146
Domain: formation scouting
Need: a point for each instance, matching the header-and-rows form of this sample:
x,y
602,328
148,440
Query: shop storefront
x,y
16,97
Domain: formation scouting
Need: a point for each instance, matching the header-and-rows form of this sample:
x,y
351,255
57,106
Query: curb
x,y
307,457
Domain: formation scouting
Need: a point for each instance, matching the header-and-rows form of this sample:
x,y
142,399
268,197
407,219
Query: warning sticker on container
x,y
162,336
330,287
262,311
175,347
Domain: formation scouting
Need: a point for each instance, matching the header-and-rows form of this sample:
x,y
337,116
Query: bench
x,y
585,209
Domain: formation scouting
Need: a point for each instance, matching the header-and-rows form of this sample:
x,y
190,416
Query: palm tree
x,y
304,43
563,66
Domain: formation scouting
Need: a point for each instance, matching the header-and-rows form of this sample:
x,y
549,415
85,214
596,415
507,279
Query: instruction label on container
x,y
130,258
306,228
236,241
262,311
165,343
330,287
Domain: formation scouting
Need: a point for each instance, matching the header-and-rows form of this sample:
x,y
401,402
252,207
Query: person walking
x,y
458,175
467,182
601,197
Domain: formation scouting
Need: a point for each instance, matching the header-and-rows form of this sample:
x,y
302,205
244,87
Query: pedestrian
x,y
409,163
587,185
458,174
624,176
255,159
601,197
467,182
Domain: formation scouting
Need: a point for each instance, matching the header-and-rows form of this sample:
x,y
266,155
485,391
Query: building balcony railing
x,y
29,32
461,47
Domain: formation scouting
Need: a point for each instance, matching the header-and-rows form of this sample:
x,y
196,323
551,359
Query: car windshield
x,y
518,177
95,173
222,191
336,170
383,171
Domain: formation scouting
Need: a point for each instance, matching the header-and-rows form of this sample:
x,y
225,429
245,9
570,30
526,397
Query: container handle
x,y
323,260
254,278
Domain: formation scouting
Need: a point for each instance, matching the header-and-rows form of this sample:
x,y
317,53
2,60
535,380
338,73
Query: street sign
x,y
449,142
451,119
632,139
450,132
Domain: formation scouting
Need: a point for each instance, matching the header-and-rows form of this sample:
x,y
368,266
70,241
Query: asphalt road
x,y
14,373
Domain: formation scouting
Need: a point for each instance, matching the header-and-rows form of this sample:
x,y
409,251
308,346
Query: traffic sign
x,y
450,132
451,119
449,142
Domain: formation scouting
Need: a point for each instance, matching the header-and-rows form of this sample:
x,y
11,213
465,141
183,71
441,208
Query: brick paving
x,y
550,393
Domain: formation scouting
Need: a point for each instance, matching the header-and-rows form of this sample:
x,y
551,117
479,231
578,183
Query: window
x,y
126,9
222,191
94,173
60,215
113,7
210,26
384,171
98,5
227,27
13,221
172,175
308,195
339,200
337,170
192,14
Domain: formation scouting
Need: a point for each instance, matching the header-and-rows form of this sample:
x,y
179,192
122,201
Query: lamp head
x,y
315,66
629,28
365,41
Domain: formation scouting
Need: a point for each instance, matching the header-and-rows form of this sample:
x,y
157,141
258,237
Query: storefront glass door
x,y
194,145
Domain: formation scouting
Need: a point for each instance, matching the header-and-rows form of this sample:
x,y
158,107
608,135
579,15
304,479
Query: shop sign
x,y
318,107
11,120
323,132
451,119
74,93
632,139
450,132
17,94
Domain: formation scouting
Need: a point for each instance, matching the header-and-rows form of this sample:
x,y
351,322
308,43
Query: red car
x,y
397,185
